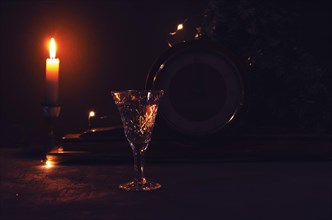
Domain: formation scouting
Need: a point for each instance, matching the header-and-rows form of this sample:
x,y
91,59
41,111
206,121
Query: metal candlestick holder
x,y
51,114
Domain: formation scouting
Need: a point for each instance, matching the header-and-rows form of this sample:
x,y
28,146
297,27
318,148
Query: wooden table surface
x,y
204,190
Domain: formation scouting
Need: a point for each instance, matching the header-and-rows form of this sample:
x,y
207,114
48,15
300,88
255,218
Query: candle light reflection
x,y
48,164
180,27
60,150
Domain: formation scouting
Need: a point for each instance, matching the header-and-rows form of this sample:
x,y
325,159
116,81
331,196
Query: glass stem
x,y
139,166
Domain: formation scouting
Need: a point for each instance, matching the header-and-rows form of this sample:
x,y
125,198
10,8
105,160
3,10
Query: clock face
x,y
203,88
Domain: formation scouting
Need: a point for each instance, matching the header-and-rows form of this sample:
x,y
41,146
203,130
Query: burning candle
x,y
52,76
91,115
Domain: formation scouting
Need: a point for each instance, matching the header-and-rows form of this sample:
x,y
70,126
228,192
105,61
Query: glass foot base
x,y
140,186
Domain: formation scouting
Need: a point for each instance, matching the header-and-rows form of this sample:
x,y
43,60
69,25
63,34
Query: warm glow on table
x,y
48,164
52,76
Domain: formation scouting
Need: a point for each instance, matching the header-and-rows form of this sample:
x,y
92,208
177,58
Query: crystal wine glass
x,y
138,110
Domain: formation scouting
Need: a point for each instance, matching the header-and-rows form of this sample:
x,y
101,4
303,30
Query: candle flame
x,y
52,48
92,114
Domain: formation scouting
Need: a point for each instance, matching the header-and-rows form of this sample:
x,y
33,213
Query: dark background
x,y
102,46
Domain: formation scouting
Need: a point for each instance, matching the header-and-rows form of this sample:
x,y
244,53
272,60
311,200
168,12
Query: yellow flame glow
x,y
52,48
92,114
180,27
